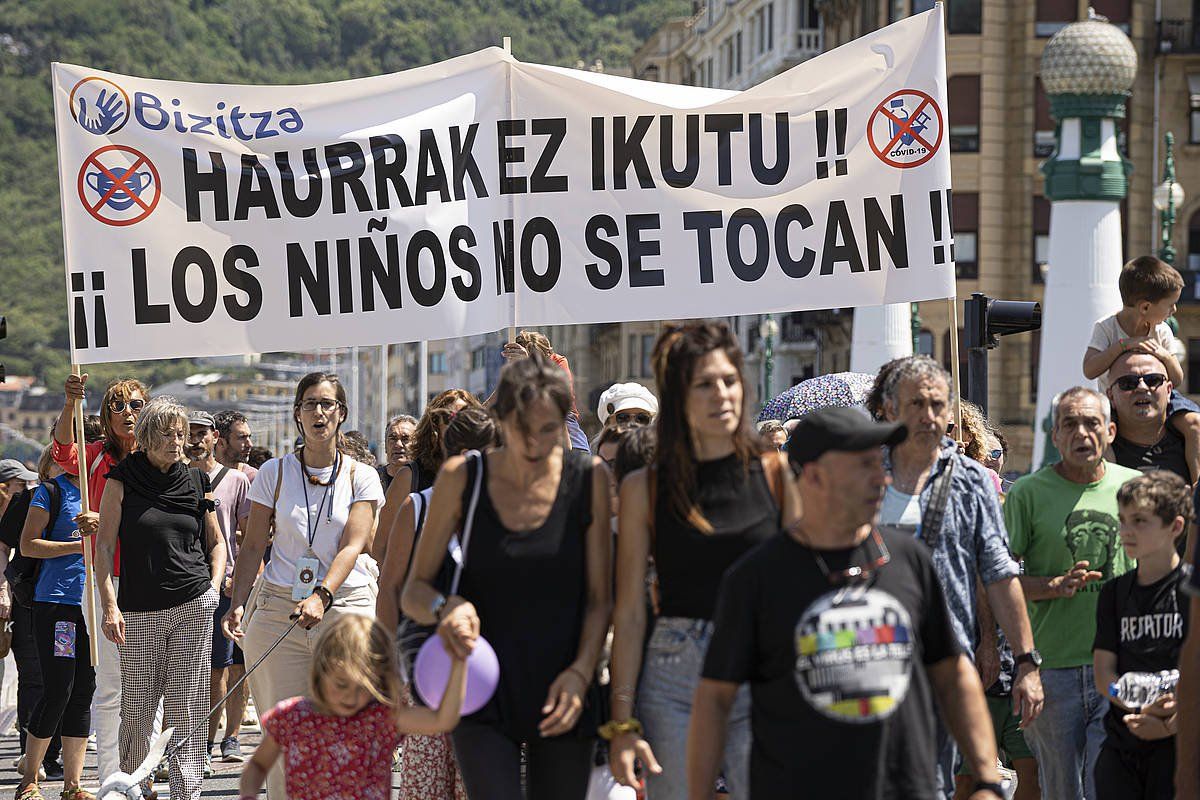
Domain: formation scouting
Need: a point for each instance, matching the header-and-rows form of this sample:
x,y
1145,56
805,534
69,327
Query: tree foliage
x,y
232,41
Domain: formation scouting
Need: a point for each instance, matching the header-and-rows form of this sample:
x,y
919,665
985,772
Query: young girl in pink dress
x,y
337,743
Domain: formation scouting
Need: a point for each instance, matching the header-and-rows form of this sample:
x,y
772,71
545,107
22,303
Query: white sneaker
x,y
20,766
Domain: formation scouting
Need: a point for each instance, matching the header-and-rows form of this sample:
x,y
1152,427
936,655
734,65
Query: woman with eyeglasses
x,y
321,505
123,402
161,618
707,499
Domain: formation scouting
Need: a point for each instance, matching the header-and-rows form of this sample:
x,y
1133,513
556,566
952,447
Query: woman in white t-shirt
x,y
322,506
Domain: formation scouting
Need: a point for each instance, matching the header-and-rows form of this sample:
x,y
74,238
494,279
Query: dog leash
x,y
174,750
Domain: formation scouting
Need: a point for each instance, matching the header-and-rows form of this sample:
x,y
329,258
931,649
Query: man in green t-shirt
x,y
1062,523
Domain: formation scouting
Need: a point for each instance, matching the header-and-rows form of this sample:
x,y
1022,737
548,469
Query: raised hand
x,y
106,116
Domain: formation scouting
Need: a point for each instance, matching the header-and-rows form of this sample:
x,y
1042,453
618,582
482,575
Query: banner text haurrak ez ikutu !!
x,y
642,152
382,269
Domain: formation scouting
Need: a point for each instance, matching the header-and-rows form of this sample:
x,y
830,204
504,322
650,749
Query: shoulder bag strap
x,y
652,500
418,510
469,521
220,476
935,512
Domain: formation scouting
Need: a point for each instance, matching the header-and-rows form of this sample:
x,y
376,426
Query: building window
x,y
709,73
1054,15
770,26
965,16
1117,12
1041,239
1193,366
1043,123
925,343
965,228
727,54
641,349
1194,108
437,363
479,358
963,97
738,46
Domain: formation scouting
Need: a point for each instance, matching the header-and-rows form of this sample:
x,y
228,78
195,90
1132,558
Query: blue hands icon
x,y
108,113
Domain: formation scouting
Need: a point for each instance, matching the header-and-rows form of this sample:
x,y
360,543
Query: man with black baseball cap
x,y
841,631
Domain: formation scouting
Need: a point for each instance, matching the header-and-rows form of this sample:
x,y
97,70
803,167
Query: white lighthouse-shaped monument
x,y
1087,70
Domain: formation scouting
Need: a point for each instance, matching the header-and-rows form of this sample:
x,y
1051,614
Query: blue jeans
x,y
1066,738
670,674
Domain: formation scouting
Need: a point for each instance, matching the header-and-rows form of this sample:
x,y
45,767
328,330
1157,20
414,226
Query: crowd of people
x,y
852,603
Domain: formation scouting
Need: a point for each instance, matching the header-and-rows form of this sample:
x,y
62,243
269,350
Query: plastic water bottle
x,y
1135,690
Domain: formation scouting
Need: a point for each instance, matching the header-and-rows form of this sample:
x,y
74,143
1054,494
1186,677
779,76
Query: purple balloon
x,y
432,670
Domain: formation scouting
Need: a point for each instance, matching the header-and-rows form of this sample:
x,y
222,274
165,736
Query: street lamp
x,y
1168,196
768,329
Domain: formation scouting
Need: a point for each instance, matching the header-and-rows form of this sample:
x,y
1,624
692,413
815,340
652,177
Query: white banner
x,y
483,192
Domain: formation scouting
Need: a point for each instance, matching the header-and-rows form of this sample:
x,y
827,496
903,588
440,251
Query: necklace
x,y
313,479
854,572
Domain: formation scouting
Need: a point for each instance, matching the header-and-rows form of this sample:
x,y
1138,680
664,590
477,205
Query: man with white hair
x,y
947,501
1062,522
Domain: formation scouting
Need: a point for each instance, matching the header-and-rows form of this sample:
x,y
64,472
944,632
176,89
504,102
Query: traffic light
x,y
985,321
3,333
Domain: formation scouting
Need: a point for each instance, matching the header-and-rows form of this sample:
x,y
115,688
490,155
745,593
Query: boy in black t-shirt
x,y
1141,621
843,634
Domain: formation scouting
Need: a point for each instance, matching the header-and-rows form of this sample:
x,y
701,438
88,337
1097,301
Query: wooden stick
x,y
954,369
89,571
512,329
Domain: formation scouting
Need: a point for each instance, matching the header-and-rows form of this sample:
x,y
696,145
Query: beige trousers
x,y
285,672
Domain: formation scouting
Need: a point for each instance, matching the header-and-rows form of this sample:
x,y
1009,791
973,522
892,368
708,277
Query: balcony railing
x,y
1178,36
808,42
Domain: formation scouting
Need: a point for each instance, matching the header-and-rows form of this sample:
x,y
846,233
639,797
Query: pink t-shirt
x,y
334,758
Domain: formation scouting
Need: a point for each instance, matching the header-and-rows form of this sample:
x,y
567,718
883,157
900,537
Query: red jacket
x,y
99,462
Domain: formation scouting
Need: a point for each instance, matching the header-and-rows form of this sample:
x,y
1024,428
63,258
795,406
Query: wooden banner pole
x,y
89,570
955,370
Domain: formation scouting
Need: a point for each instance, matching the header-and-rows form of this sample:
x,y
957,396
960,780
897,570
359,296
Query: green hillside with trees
x,y
232,41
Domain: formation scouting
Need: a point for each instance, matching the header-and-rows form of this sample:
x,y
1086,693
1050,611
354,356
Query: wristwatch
x,y
994,788
1032,657
435,608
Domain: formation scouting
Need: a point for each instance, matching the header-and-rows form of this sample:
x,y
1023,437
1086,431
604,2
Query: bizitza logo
x,y
99,106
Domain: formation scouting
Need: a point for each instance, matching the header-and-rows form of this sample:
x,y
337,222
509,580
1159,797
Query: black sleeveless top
x,y
530,589
737,502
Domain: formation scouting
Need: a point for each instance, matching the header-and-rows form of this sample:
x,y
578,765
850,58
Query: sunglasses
x,y
995,454
1128,383
118,406
627,418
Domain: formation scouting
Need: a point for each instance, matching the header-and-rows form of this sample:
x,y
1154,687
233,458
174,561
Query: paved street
x,y
224,783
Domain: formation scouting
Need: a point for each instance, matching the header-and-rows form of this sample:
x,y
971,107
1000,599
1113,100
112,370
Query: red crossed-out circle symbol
x,y
901,137
119,189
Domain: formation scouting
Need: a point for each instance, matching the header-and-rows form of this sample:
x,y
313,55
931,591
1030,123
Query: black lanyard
x,y
312,529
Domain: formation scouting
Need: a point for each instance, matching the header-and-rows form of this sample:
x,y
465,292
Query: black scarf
x,y
179,490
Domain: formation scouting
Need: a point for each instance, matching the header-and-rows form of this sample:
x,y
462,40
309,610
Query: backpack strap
x,y
220,476
939,499
275,499
55,492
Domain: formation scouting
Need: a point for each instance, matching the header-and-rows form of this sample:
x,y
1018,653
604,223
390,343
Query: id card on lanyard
x,y
309,565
